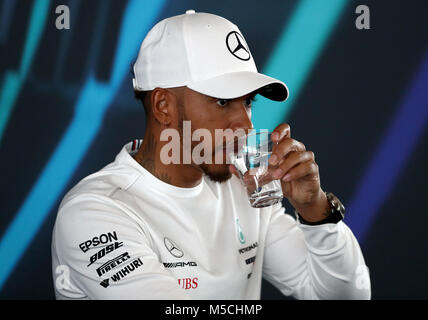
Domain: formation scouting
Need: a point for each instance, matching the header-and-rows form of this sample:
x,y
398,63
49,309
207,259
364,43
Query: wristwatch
x,y
335,214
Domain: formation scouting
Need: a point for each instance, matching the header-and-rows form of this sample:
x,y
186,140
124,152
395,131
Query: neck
x,y
179,175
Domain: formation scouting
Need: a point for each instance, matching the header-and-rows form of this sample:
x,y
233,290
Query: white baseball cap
x,y
204,52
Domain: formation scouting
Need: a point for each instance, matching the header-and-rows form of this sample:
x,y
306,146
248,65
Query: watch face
x,y
336,204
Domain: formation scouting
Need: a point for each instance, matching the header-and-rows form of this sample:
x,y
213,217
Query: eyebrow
x,y
251,95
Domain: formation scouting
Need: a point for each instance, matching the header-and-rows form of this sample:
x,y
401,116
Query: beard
x,y
215,172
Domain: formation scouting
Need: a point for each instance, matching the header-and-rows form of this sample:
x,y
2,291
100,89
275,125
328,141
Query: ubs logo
x,y
173,248
237,46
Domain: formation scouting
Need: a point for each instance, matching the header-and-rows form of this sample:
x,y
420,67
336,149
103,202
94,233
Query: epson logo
x,y
110,265
180,264
95,241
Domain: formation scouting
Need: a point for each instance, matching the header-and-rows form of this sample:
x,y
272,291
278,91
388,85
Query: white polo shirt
x,y
121,233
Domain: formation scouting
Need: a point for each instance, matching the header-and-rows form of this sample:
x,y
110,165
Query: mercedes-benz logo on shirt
x,y
173,248
237,46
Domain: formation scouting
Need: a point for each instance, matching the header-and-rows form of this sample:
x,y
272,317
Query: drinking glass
x,y
251,159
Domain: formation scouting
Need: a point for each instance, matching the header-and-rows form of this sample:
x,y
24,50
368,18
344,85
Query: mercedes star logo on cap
x,y
237,46
173,248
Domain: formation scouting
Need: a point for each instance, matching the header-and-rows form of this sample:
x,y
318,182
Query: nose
x,y
240,117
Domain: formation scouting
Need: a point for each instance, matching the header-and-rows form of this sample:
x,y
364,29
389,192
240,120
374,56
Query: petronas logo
x,y
241,236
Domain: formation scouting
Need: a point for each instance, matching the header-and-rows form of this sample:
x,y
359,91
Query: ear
x,y
163,106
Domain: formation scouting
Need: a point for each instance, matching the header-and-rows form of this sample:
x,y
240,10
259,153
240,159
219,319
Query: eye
x,y
249,101
222,102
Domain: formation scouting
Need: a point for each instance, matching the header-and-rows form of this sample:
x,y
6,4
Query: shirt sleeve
x,y
108,254
314,262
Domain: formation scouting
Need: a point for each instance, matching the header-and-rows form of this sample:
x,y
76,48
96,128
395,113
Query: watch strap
x,y
334,215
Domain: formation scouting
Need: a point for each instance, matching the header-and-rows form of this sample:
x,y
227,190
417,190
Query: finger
x,y
305,169
293,160
281,150
281,131
233,170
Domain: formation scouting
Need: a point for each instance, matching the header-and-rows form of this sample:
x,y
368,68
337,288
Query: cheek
x,y
202,129
208,119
